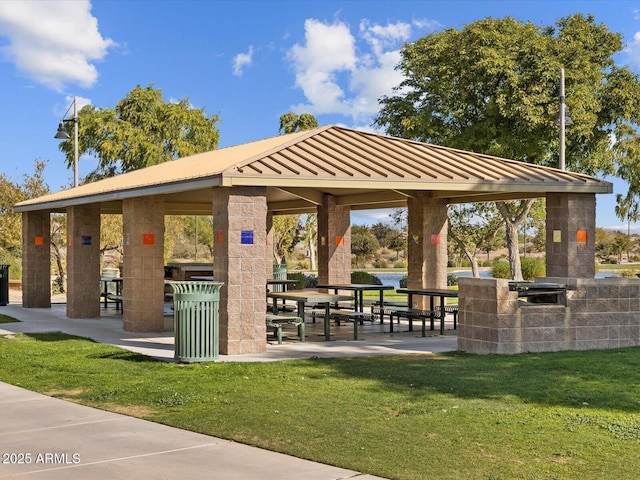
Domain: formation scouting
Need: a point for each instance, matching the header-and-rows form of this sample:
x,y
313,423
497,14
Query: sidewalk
x,y
46,438
108,329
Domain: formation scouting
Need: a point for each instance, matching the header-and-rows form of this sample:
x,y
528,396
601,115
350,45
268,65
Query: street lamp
x,y
63,135
563,119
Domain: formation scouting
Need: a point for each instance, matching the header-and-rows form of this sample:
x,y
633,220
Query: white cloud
x,y
341,74
54,42
328,50
633,50
242,60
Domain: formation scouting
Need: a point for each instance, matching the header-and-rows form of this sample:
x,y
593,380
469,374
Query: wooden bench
x,y
339,315
277,321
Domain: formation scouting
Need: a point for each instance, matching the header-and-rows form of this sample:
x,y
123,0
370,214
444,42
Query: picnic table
x,y
358,290
301,297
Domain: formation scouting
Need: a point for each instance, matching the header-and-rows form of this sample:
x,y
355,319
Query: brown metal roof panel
x,y
370,159
366,165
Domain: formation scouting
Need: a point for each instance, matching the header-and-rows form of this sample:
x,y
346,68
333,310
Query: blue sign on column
x,y
246,237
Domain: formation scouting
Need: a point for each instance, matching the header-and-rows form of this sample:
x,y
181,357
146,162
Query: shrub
x,y
310,281
501,269
15,264
380,263
300,278
403,281
365,277
452,279
400,264
533,267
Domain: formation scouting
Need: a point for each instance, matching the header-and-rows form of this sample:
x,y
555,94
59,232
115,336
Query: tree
x,y
492,87
285,236
291,122
363,244
472,226
628,210
141,131
310,237
199,230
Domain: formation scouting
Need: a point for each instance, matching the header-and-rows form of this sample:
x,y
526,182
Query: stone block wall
x,y
599,314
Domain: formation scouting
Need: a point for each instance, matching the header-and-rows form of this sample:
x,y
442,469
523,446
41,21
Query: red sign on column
x,y
148,239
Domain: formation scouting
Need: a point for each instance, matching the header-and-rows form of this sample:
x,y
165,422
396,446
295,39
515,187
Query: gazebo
x,y
330,170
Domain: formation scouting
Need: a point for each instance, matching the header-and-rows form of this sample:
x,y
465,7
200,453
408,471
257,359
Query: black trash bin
x,y
4,285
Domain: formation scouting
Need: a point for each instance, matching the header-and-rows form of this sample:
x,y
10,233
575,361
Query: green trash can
x,y
279,273
4,285
196,321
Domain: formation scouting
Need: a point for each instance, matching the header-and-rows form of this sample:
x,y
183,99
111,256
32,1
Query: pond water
x,y
394,278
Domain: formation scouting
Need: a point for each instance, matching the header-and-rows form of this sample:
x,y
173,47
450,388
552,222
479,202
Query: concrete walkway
x,y
46,438
108,329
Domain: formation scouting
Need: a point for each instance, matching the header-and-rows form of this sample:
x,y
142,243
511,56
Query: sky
x,y
247,61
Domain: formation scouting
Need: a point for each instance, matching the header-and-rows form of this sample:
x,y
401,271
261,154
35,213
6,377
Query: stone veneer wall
x,y
599,314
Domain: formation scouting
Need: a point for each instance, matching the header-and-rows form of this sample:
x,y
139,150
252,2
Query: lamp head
x,y
62,134
567,119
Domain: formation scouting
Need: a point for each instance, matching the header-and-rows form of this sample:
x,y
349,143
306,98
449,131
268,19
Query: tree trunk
x,y
312,254
61,272
472,257
512,223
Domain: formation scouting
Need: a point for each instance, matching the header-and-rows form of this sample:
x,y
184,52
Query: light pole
x,y
563,119
63,135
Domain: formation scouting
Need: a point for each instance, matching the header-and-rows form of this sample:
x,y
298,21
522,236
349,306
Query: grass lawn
x,y
570,415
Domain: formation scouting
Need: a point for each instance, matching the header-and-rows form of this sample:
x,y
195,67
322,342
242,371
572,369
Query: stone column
x,y
427,242
241,262
143,264
36,259
83,261
571,235
334,242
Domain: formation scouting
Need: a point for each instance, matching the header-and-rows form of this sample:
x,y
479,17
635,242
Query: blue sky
x,y
246,61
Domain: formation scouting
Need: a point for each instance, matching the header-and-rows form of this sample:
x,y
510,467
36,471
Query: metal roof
x,y
362,169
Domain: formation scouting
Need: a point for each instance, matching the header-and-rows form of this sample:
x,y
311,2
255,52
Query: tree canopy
x,y
142,130
291,122
493,87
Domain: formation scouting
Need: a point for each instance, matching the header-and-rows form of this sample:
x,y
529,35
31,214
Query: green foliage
x,y
142,130
492,87
379,262
15,264
403,282
501,270
533,267
285,235
367,278
400,264
291,122
299,277
363,244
